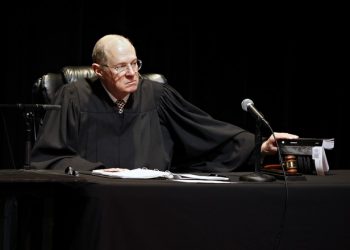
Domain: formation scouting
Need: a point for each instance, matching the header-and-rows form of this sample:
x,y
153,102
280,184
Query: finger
x,y
285,136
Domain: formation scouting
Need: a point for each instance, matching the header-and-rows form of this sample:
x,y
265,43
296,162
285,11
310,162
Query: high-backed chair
x,y
46,86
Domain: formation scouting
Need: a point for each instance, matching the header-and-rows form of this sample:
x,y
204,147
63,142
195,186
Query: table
x,y
51,210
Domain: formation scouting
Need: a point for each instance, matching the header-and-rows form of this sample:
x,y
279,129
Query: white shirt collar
x,y
125,99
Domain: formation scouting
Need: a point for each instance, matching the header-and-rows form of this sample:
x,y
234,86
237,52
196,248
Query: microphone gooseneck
x,y
248,106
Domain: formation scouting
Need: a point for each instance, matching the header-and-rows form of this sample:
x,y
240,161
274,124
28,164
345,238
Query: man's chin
x,y
132,88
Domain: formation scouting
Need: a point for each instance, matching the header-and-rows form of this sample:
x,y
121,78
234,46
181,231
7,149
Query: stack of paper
x,y
192,178
144,173
328,143
138,173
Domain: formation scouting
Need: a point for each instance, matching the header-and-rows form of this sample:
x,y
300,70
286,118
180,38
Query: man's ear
x,y
97,69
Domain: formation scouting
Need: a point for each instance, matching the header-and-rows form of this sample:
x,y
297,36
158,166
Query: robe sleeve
x,y
56,146
201,142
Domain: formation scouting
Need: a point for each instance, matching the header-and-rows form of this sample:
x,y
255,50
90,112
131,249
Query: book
x,y
314,147
303,146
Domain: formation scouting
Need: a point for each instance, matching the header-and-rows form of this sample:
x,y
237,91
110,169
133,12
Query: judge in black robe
x,y
158,129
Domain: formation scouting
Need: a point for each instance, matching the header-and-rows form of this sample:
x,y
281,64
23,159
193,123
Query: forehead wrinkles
x,y
120,52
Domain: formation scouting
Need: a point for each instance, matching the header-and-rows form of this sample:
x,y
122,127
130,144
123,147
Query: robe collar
x,y
125,99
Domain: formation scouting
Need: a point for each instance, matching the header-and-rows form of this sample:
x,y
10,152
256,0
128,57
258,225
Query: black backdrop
x,y
287,59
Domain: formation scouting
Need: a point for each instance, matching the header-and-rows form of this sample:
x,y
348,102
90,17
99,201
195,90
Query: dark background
x,y
288,59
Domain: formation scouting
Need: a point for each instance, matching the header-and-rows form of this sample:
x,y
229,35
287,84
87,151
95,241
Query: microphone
x,y
248,105
31,107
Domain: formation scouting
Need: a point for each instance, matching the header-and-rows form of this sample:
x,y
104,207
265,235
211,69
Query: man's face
x,y
120,74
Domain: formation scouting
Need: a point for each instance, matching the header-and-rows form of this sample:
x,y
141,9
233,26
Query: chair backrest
x,y
46,86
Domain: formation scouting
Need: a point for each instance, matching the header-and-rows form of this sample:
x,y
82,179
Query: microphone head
x,y
245,103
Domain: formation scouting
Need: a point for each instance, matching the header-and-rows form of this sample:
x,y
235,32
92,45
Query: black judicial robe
x,y
158,129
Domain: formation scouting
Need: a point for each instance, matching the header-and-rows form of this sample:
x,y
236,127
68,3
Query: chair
x,y
46,86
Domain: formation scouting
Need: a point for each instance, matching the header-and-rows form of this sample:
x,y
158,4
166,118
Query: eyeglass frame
x,y
126,67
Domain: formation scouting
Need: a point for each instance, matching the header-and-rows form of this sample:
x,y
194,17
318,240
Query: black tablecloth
x,y
51,210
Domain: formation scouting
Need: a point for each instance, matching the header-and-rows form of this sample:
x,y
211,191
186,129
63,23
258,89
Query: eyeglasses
x,y
135,65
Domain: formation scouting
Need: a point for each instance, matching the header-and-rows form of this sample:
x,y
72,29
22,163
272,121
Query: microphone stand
x,y
29,116
257,176
28,120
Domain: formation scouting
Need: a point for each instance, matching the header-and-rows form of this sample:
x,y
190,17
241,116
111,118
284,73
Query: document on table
x,y
138,173
200,178
144,173
200,181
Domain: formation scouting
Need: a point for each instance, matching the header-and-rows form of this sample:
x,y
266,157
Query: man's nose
x,y
130,70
